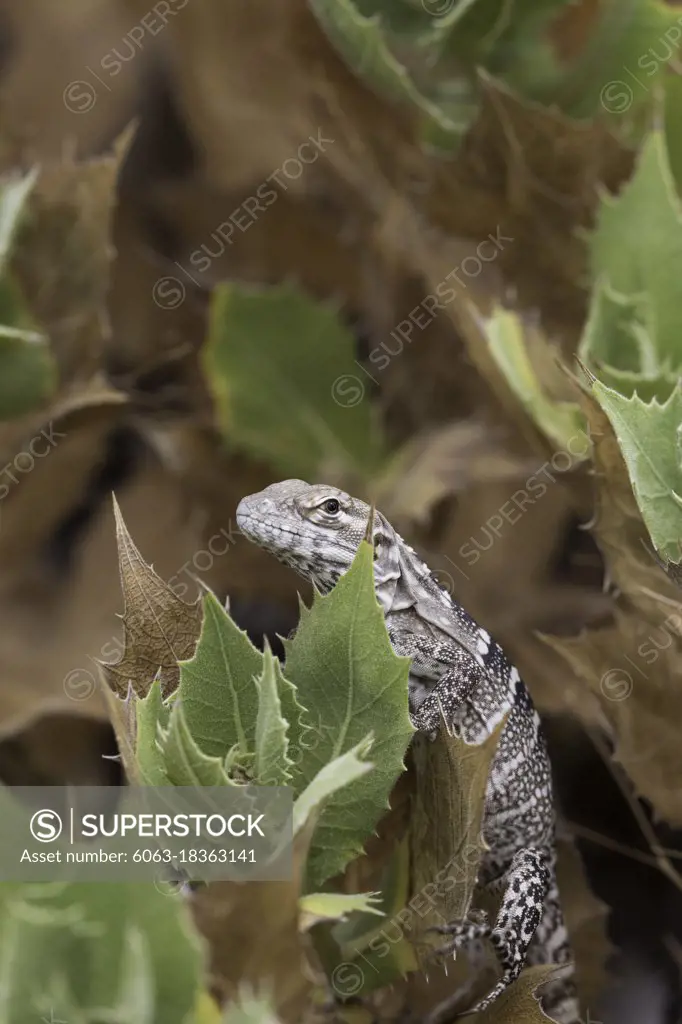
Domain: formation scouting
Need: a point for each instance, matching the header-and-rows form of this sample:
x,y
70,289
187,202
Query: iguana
x,y
460,673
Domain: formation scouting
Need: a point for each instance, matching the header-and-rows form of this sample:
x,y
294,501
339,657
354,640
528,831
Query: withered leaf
x,y
618,526
64,252
158,628
451,778
519,1003
634,670
586,920
633,666
440,462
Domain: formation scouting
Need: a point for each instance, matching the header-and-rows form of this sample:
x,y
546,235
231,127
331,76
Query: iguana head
x,y
316,529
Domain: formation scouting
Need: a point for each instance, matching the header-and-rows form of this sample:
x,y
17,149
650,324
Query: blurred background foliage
x,y
428,251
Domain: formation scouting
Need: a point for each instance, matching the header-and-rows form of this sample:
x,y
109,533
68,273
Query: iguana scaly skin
x,y
459,672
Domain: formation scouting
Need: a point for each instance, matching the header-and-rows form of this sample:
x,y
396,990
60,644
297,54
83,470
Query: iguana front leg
x,y
454,673
525,886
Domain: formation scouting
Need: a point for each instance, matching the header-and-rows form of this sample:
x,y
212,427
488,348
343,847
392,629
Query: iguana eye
x,y
331,506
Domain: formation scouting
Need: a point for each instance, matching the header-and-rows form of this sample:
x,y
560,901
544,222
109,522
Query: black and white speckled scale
x,y
457,668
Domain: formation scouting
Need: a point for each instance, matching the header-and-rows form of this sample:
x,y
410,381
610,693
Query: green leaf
x,y
13,195
347,675
151,715
647,434
612,70
217,689
618,349
27,371
615,333
659,386
272,764
673,119
28,374
623,56
28,934
186,764
511,44
428,54
334,906
294,714
86,952
135,1000
206,1010
331,778
648,210
282,371
504,333
621,51
123,718
249,1008
363,42
362,938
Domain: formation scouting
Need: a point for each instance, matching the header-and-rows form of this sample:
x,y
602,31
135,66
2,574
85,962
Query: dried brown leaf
x,y
632,667
445,836
618,527
159,628
62,257
519,1003
446,846
526,171
58,90
55,626
586,919
441,462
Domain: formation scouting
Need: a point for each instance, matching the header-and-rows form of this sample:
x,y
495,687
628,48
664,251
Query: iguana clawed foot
x,y
525,886
458,676
464,933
